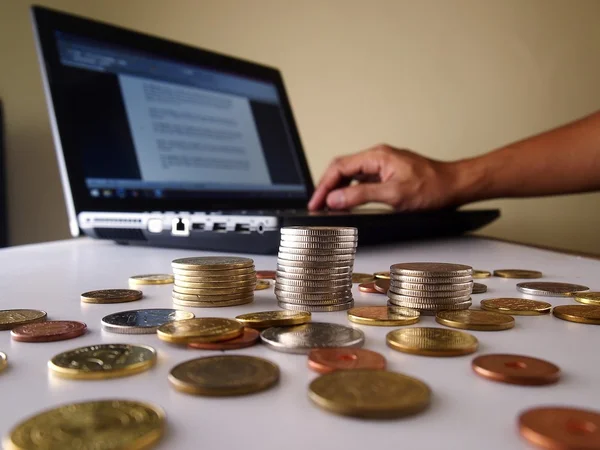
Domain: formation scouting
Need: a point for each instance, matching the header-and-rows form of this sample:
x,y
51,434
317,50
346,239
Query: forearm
x,y
560,161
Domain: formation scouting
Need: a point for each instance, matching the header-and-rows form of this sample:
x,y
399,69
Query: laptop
x,y
160,143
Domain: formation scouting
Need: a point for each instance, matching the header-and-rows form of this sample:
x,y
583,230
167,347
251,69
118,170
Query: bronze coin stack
x,y
431,287
213,281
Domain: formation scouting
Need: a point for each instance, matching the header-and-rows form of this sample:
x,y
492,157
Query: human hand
x,y
402,179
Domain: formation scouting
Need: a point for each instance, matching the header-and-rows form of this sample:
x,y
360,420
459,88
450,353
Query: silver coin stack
x,y
314,268
431,287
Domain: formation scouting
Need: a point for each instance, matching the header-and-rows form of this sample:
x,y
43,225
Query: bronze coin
x,y
368,287
557,428
325,360
382,285
52,330
516,369
266,274
248,339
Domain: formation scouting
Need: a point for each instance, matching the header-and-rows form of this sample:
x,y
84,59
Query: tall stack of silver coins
x,y
212,281
314,268
431,287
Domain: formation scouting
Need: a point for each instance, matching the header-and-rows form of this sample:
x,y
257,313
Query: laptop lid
x,y
145,124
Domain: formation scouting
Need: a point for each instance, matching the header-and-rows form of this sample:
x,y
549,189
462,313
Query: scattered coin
x,y
52,330
589,314
550,289
516,306
517,273
3,361
588,298
266,274
11,318
383,316
479,288
516,369
375,394
117,424
111,296
368,288
326,360
266,319
362,277
212,263
471,319
224,375
103,361
432,341
303,338
142,321
431,269
382,285
157,278
561,428
205,329
262,284
247,339
481,273
382,275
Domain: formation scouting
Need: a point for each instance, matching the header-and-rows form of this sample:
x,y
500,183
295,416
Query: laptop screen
x,y
142,124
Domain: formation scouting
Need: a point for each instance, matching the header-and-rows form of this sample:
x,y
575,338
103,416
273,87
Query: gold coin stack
x,y
213,281
314,268
431,287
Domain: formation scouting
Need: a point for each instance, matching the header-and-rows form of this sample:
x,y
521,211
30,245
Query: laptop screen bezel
x,y
48,22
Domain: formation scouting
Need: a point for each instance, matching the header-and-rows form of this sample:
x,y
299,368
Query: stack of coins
x,y
314,268
212,281
431,287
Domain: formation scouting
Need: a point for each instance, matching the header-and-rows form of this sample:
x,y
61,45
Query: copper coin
x,y
266,274
368,287
52,330
248,339
325,360
557,428
382,285
516,369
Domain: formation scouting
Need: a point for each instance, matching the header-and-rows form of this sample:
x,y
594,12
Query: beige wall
x,y
448,78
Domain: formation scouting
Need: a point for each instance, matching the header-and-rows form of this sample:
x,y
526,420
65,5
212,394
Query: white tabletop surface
x,y
467,412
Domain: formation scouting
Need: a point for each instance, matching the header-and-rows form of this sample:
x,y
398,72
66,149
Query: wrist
x,y
468,181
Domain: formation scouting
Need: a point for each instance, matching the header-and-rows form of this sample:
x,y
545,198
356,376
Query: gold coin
x,y
262,284
382,275
224,375
3,361
239,291
205,329
11,318
516,306
471,319
114,424
267,319
213,304
98,362
362,277
212,263
432,341
588,298
517,273
215,297
375,394
219,279
111,296
383,316
481,273
225,284
155,278
589,314
215,274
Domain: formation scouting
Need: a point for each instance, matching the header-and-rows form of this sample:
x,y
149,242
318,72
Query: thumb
x,y
359,194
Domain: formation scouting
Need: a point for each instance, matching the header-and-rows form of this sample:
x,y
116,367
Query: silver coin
x,y
314,296
282,288
303,338
314,263
289,239
431,308
431,269
321,302
324,251
215,274
220,304
142,321
319,231
427,301
316,308
344,245
550,289
431,287
286,256
313,276
430,280
212,263
345,282
430,295
214,298
327,270
479,288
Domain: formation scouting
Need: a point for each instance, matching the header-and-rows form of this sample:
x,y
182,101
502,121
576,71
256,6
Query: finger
x,y
359,194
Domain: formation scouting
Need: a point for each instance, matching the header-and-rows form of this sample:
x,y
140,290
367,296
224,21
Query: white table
x,y
467,412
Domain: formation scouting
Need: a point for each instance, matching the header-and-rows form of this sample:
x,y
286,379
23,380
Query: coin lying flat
x,y
429,287
368,288
516,369
103,361
382,285
111,296
431,269
516,306
362,277
383,316
433,301
224,375
212,304
142,321
471,319
212,263
266,319
261,285
316,308
301,272
155,278
561,428
239,291
3,361
376,394
205,329
326,360
550,289
52,330
319,231
266,274
481,273
433,295
11,318
117,424
385,275
588,298
303,338
517,273
589,314
217,285
215,275
438,280
247,339
479,288
432,341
